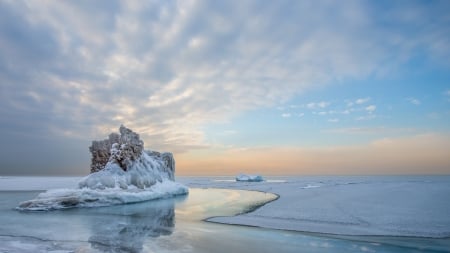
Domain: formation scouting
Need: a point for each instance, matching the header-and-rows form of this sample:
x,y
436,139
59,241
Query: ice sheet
x,y
397,206
17,183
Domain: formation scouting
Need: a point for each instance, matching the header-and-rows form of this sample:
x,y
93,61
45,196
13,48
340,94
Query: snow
x,y
249,178
396,206
87,197
149,177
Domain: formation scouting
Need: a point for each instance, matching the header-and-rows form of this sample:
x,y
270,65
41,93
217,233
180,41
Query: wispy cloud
x,y
334,120
358,101
413,101
371,108
317,105
361,101
286,115
371,130
75,69
101,65
434,115
229,132
366,117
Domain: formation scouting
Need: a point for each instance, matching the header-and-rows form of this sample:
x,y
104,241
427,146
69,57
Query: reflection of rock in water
x,y
125,228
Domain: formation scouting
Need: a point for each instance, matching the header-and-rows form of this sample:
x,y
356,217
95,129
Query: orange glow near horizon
x,y
423,154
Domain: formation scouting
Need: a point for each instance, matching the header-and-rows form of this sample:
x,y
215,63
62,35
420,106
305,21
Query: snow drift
x,y
121,172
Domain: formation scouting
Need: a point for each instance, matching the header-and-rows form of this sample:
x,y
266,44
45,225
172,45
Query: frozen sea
x,y
298,214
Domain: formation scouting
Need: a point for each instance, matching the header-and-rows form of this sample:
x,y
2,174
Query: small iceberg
x,y
121,172
249,178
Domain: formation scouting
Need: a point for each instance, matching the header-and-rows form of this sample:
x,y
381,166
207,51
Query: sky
x,y
267,87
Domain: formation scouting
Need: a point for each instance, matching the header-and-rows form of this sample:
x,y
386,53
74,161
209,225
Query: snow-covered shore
x,y
395,206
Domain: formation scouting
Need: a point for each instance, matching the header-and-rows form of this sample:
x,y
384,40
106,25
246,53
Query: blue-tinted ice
x,y
173,225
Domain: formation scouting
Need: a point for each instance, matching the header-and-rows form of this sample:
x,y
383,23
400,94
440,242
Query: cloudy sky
x,y
271,87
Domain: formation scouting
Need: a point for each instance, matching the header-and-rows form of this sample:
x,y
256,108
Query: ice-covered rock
x,y
249,178
121,172
122,149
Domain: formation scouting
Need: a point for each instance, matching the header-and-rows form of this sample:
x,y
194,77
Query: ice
x,y
110,186
415,206
176,224
309,186
122,172
17,183
144,173
87,197
249,178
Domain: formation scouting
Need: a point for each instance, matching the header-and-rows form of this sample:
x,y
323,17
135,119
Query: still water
x,y
174,225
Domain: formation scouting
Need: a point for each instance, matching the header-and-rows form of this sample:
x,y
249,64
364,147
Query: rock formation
x,y
126,151
123,149
121,172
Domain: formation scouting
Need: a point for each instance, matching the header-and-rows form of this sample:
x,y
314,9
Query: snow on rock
x,y
249,178
122,149
121,172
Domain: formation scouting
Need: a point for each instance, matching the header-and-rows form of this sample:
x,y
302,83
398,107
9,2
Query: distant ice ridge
x,y
249,178
121,172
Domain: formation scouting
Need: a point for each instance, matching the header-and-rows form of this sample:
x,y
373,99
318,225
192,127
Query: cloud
x,y
229,132
334,120
434,115
155,66
371,108
358,101
346,112
317,105
301,114
361,101
366,117
286,115
370,130
413,101
77,70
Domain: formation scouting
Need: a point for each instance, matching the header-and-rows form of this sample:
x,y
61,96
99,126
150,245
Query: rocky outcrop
x,y
121,172
101,151
124,152
123,149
